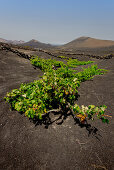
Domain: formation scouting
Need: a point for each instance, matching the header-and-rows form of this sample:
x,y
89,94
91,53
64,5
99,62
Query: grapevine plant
x,y
75,62
56,90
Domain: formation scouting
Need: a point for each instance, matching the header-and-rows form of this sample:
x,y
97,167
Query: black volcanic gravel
x,y
67,146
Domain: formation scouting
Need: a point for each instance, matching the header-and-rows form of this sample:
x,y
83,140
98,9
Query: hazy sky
x,y
56,21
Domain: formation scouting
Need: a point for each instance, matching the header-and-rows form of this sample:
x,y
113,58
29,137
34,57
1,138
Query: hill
x,y
3,40
87,42
15,42
37,44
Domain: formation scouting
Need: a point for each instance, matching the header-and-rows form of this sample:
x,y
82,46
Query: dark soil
x,y
61,146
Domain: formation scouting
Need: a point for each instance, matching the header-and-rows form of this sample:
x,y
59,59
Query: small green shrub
x,y
46,64
75,62
64,57
89,73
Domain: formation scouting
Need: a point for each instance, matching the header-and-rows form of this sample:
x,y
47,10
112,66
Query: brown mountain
x,y
3,40
11,41
37,44
87,42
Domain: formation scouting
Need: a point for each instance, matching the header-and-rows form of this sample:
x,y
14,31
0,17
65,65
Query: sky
x,y
56,21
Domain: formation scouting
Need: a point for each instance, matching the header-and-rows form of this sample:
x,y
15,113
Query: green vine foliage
x,y
75,62
58,88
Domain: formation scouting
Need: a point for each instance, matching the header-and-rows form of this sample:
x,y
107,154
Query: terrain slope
x,y
37,44
62,146
88,42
